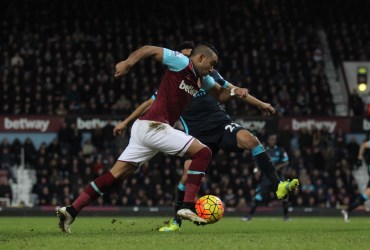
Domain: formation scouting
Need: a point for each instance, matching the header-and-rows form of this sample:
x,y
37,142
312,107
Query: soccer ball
x,y
210,208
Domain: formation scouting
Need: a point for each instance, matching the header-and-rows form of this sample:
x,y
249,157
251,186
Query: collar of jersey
x,y
192,68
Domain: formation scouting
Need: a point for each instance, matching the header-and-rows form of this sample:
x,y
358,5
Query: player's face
x,y
206,63
272,140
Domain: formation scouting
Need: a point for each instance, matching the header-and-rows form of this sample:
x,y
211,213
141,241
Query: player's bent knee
x,y
205,153
121,170
246,140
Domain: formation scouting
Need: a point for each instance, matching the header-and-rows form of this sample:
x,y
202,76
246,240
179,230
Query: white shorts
x,y
150,137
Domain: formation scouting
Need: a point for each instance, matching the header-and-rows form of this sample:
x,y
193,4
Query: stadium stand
x,y
63,65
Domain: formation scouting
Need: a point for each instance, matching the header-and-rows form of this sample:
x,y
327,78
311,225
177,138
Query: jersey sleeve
x,y
219,79
174,60
208,82
284,156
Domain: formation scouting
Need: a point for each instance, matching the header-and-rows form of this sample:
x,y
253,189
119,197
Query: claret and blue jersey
x,y
177,88
204,112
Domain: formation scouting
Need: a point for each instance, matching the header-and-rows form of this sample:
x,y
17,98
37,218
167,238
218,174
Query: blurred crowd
x,y
58,57
322,161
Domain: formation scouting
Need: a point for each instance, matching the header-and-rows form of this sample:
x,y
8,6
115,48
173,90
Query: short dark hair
x,y
201,47
185,45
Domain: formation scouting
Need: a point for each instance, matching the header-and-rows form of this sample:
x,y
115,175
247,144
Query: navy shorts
x,y
223,137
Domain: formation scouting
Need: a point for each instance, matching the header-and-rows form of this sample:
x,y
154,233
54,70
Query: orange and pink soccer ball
x,y
210,208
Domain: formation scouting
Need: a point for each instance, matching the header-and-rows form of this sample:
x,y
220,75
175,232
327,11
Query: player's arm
x,y
361,151
123,67
121,127
220,93
264,106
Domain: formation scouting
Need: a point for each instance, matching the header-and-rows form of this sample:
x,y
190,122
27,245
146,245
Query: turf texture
x,y
229,233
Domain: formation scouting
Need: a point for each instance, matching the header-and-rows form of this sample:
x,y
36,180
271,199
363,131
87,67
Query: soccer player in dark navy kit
x,y
206,120
365,196
281,160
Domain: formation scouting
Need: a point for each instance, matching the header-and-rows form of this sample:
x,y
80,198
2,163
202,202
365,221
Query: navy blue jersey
x,y
205,113
277,154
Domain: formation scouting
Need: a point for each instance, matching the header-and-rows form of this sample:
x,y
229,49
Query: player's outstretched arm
x,y
224,94
146,51
264,106
121,127
361,151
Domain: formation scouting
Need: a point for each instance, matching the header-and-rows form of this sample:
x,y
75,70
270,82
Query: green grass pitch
x,y
229,233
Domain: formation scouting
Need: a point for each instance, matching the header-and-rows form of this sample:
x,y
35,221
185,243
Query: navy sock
x,y
265,164
180,193
357,202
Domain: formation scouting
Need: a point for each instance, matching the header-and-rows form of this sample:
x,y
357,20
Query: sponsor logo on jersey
x,y
178,54
188,88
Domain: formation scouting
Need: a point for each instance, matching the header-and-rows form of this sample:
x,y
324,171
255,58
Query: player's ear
x,y
201,57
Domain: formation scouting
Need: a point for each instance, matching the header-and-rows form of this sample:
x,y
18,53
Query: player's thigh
x,y
229,140
164,138
245,140
212,140
136,151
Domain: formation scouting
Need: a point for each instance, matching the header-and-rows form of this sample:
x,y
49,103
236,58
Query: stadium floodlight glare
x,y
362,78
362,87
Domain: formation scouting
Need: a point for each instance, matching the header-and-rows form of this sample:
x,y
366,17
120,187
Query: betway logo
x,y
25,123
296,125
92,123
188,88
252,125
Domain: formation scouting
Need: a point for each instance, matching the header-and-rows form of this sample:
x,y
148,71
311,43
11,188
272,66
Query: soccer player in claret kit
x,y
363,197
153,132
207,121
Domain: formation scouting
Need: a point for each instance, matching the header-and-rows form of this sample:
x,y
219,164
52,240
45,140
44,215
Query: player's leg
x,y
180,192
175,142
285,205
134,154
247,141
119,172
360,199
200,156
175,223
260,198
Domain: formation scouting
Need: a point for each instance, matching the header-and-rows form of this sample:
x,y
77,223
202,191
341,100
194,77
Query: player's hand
x,y
241,92
120,128
122,68
267,108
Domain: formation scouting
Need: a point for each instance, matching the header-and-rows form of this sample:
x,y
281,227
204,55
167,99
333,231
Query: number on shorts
x,y
231,127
